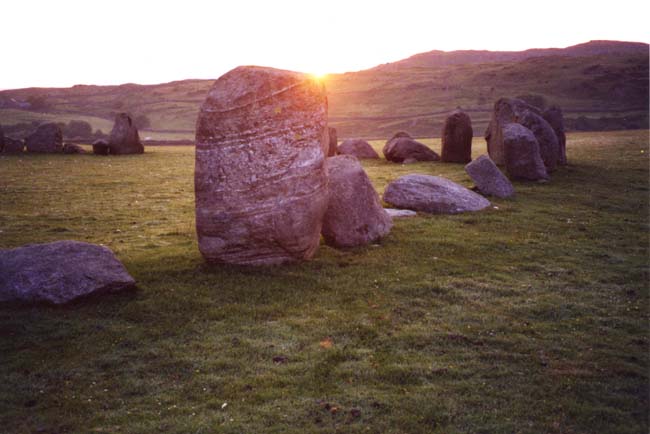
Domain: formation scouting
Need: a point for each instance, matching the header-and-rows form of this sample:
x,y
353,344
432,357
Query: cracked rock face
x,y
354,215
260,181
60,272
456,139
432,194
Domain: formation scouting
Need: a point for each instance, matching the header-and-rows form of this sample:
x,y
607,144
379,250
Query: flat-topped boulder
x,y
358,148
487,177
71,148
60,272
47,139
432,194
260,181
456,139
523,160
553,115
402,148
124,137
333,142
354,214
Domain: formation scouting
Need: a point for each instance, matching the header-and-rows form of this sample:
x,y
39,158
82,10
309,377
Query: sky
x,y
46,43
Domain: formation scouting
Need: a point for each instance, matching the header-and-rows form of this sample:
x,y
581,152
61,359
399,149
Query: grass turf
x,y
529,317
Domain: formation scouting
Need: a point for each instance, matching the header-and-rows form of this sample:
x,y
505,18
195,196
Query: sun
x,y
319,75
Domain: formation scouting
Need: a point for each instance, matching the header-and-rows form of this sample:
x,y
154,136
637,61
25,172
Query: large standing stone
x,y
358,148
457,138
432,194
523,160
124,138
260,181
47,138
553,115
13,146
354,214
512,110
334,141
488,178
101,147
60,272
403,148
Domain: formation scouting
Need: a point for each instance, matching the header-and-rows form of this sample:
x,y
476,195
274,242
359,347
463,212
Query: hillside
x,y
599,84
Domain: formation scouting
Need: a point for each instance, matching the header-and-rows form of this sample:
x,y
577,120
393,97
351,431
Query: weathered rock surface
x,y
48,139
400,213
358,148
354,214
71,148
124,138
260,182
523,160
553,115
488,178
512,110
432,194
100,147
400,149
60,272
334,141
13,146
457,136
549,146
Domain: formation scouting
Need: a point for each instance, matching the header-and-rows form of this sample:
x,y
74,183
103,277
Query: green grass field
x,y
530,317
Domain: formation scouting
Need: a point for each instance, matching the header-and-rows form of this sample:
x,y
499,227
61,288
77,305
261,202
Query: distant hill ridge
x,y
599,85
459,57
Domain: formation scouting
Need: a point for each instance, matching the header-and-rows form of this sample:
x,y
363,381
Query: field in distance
x,y
529,317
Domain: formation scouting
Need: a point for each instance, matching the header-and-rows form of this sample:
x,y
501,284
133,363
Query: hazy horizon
x,y
118,42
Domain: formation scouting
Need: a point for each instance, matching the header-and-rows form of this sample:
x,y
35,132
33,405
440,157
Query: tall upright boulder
x,y
333,142
260,181
47,139
354,214
457,136
512,110
523,160
124,138
553,115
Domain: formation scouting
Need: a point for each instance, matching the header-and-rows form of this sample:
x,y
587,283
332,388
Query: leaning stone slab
x,y
60,272
488,178
354,214
260,181
432,194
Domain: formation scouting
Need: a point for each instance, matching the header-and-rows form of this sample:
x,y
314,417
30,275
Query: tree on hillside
x,y
141,122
